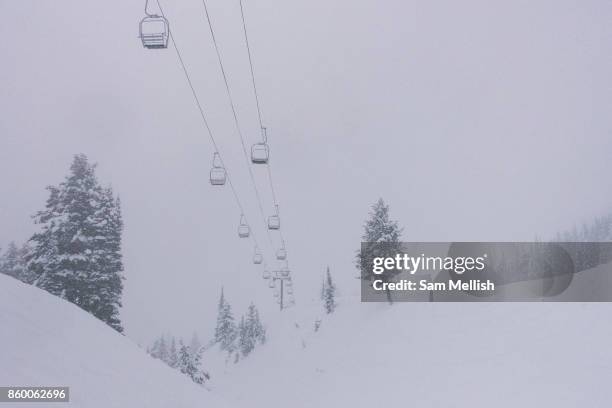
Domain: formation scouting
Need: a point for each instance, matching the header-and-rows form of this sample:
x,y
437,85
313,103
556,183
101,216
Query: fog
x,y
474,120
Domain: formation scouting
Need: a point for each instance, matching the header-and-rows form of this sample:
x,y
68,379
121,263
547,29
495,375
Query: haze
x,y
474,120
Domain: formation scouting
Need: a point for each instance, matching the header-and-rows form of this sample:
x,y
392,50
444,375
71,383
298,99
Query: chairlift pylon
x,y
218,175
260,152
243,229
154,30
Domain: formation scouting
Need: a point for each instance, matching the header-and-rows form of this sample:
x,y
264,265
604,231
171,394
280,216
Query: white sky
x,y
475,120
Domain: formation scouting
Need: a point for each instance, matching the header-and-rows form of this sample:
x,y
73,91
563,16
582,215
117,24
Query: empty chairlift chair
x,y
154,30
260,152
281,254
218,175
266,274
274,220
257,257
243,229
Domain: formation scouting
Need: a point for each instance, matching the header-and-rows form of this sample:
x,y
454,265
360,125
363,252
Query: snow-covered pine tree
x,y
256,326
189,364
322,295
77,253
107,279
251,331
381,238
162,350
13,263
173,354
329,298
225,331
245,341
184,358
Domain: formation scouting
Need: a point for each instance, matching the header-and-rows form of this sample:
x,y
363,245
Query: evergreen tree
x,y
329,297
173,354
322,295
251,331
189,362
225,331
245,341
381,238
13,263
77,253
162,350
258,332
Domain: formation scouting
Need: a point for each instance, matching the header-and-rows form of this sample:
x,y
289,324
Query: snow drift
x,y
46,341
431,355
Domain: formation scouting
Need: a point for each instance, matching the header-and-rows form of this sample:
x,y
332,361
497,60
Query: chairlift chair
x,y
281,254
257,258
271,283
243,229
260,152
284,273
218,175
154,31
266,274
274,220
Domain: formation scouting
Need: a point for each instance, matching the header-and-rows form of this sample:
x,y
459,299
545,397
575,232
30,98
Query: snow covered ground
x,y
408,354
45,341
431,355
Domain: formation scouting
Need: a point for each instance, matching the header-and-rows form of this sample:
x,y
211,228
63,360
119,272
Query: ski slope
x,y
407,354
46,341
431,355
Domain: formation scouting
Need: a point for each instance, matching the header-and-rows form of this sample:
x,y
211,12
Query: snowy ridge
x,y
47,341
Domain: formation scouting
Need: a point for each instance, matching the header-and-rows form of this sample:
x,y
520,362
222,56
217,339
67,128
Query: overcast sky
x,y
475,120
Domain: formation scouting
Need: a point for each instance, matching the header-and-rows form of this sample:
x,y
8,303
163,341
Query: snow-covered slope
x,y
432,355
45,341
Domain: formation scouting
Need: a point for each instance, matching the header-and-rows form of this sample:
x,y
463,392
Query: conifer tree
x,y
77,253
173,354
13,263
225,331
162,351
245,341
329,297
189,362
254,325
251,331
381,238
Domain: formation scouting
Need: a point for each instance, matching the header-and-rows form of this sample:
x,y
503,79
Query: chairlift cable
x,y
205,121
235,114
257,103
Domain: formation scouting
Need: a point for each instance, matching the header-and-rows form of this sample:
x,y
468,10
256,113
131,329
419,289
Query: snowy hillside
x,y
432,355
46,341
